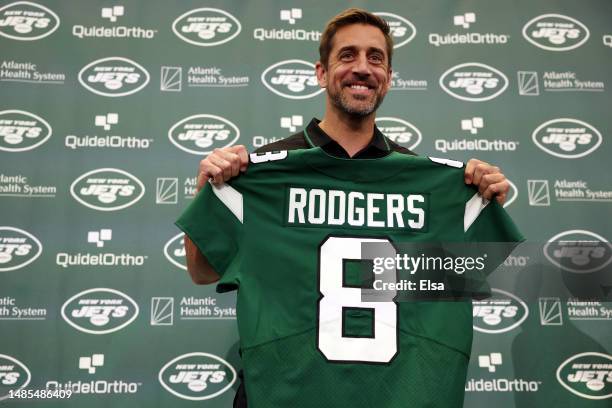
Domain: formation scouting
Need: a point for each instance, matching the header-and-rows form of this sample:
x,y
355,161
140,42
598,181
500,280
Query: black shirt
x,y
314,136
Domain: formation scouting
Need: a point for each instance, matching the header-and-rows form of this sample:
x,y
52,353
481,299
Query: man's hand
x,y
222,164
488,178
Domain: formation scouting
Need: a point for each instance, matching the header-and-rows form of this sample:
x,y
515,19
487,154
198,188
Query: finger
x,y
492,185
501,198
232,158
470,167
221,163
201,181
242,152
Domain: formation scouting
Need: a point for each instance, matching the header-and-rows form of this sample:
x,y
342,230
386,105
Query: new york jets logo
x,y
21,131
474,82
502,312
99,311
402,30
174,251
567,138
27,21
113,77
579,251
201,134
555,32
18,248
293,79
107,189
400,131
14,375
588,375
197,376
206,27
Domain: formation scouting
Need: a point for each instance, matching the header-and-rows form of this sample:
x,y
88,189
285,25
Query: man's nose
x,y
361,65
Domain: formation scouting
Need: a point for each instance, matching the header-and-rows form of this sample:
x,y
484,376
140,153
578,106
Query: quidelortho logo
x,y
400,131
112,14
500,313
201,134
466,38
293,79
291,16
402,30
578,251
474,82
113,77
99,259
18,248
107,189
474,125
588,375
21,131
495,378
197,376
106,139
174,251
27,21
99,311
89,384
555,32
14,375
206,27
567,138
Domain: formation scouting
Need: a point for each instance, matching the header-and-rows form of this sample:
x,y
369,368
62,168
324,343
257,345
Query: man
x,y
355,69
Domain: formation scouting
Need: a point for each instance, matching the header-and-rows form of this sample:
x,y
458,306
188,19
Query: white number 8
x,y
382,347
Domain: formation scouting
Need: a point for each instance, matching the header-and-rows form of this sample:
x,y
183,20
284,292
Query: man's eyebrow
x,y
353,48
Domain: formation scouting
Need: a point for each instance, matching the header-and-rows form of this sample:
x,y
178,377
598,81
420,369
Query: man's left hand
x,y
488,178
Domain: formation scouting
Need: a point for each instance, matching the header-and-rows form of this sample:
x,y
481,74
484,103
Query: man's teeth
x,y
359,87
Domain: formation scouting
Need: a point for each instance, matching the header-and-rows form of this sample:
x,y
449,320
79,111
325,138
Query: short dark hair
x,y
348,17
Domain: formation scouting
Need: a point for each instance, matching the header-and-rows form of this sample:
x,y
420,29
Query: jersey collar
x,y
316,137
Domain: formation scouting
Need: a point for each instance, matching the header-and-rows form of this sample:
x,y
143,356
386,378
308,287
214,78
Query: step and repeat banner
x,y
107,107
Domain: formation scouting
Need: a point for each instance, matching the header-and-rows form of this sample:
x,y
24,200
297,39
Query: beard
x,y
357,105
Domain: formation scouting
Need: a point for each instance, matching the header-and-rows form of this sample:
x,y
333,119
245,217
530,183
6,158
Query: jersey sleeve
x,y
213,221
488,222
492,234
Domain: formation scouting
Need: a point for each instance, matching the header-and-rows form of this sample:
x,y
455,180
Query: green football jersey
x,y
285,233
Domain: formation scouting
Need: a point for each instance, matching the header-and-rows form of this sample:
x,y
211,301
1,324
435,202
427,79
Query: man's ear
x,y
321,74
389,76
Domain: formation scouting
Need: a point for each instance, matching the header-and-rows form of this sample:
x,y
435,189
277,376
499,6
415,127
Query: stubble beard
x,y
356,107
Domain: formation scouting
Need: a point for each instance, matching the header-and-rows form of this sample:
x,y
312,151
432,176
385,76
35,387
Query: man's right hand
x,y
223,164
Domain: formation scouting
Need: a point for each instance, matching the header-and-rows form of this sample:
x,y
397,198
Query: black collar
x,y
315,136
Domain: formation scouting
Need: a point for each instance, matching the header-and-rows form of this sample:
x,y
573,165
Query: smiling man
x,y
294,352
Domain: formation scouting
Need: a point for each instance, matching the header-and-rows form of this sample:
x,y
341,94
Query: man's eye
x,y
376,58
346,55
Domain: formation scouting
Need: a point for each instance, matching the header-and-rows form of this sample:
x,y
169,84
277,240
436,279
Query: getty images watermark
x,y
572,265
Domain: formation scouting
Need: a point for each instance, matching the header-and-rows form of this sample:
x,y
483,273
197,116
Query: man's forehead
x,y
358,35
